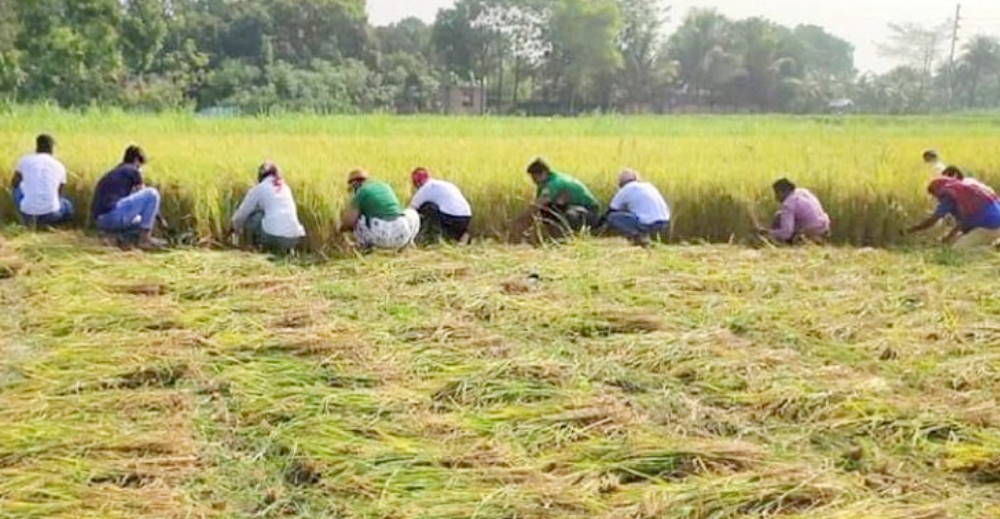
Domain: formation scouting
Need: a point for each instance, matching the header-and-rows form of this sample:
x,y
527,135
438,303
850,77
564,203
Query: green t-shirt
x,y
557,183
377,200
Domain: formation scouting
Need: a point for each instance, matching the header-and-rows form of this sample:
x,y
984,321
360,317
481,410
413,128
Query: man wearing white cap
x,y
639,210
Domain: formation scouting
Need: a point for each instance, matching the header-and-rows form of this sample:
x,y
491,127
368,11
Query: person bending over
x,y
444,211
376,217
801,218
38,183
563,202
268,219
976,212
933,161
124,207
639,210
958,174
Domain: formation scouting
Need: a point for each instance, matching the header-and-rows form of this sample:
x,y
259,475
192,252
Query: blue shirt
x,y
115,185
987,218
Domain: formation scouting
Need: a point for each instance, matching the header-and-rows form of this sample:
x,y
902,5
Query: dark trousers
x,y
436,225
563,220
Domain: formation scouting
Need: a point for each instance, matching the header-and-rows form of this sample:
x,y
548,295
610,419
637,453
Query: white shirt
x,y
281,218
643,200
445,195
41,177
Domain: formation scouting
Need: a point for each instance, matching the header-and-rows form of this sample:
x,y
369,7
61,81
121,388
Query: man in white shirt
x,y
444,210
638,211
38,182
268,217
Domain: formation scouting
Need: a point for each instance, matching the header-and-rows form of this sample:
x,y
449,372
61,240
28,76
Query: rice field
x,y
498,382
715,171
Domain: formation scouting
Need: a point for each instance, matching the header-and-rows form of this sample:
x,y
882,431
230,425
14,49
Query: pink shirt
x,y
801,213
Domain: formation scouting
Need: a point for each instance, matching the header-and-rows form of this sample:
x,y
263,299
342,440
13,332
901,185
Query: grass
x,y
498,382
716,171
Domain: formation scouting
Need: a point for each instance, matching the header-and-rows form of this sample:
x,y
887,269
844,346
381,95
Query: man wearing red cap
x,y
444,211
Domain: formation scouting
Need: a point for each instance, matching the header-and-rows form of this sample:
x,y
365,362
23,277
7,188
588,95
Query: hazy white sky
x,y
862,22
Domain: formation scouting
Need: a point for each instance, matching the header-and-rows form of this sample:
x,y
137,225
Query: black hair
x,y
953,172
784,186
539,167
134,154
931,155
45,143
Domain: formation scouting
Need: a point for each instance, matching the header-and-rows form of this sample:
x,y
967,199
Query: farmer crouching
x,y
268,219
376,217
563,203
444,211
801,218
124,208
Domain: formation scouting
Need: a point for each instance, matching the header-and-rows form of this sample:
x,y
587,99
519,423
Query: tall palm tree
x,y
981,60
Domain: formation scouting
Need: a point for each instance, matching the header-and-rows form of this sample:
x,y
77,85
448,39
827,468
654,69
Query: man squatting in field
x,y
563,202
444,211
123,206
38,183
376,217
268,219
975,210
638,211
801,217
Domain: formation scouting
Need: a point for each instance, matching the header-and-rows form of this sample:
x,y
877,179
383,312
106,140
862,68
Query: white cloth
x,y
939,167
445,195
643,200
281,218
41,177
388,234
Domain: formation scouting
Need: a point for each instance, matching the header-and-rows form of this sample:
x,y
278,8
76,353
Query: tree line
x,y
530,56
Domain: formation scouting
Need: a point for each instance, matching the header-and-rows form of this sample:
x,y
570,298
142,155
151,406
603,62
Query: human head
x,y
267,169
940,185
783,188
356,178
539,171
931,157
953,172
45,143
626,177
135,156
420,176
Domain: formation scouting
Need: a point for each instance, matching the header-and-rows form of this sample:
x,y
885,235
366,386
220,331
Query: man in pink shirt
x,y
801,216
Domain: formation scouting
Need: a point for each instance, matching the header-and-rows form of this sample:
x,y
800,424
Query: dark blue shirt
x,y
987,218
115,185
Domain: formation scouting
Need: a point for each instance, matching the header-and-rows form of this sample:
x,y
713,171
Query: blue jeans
x,y
627,224
64,213
136,212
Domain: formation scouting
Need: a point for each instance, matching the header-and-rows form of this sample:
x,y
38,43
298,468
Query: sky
x,y
862,22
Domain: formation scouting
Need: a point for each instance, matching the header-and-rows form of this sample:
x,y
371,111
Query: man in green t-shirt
x,y
376,217
563,202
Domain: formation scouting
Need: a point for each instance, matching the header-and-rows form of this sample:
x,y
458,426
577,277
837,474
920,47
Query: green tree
x,y
143,34
979,62
644,75
11,75
699,49
460,44
584,37
74,48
